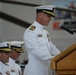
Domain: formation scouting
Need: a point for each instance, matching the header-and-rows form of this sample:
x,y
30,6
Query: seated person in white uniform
x,y
16,47
5,50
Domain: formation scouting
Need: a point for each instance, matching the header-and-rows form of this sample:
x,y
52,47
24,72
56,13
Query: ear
x,y
40,15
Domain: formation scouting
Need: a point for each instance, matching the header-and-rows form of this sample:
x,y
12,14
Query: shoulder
x,y
30,29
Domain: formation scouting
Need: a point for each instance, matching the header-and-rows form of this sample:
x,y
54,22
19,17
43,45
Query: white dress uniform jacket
x,y
4,69
40,50
15,68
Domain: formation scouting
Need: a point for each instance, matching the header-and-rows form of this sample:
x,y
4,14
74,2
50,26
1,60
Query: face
x,y
4,57
45,19
15,55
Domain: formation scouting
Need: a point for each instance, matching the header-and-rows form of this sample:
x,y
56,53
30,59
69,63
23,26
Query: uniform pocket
x,y
41,41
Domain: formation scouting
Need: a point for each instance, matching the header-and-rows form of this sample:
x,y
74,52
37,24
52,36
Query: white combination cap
x,y
5,46
48,9
17,45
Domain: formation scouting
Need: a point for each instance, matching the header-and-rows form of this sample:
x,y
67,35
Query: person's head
x,y
44,14
72,5
5,51
16,47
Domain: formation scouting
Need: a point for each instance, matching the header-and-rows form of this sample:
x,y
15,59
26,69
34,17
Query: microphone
x,y
66,29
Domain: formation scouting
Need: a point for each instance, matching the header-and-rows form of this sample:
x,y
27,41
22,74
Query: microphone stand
x,y
68,30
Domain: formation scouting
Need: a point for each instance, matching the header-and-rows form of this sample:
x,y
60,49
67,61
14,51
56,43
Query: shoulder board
x,y
32,28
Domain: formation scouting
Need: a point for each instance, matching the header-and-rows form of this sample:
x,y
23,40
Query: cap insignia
x,y
9,46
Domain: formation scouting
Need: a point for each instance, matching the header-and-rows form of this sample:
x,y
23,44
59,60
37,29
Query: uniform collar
x,y
11,60
38,25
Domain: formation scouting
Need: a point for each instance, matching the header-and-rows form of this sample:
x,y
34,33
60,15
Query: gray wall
x,y
10,31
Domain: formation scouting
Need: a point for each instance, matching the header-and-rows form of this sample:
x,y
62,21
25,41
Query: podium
x,y
65,62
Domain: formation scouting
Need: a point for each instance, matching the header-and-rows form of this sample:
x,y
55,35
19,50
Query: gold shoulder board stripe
x,y
32,28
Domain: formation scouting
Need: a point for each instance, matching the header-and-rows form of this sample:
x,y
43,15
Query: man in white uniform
x,y
5,50
38,44
16,47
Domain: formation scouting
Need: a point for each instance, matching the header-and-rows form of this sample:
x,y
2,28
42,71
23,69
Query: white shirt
x,y
4,69
40,50
15,68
